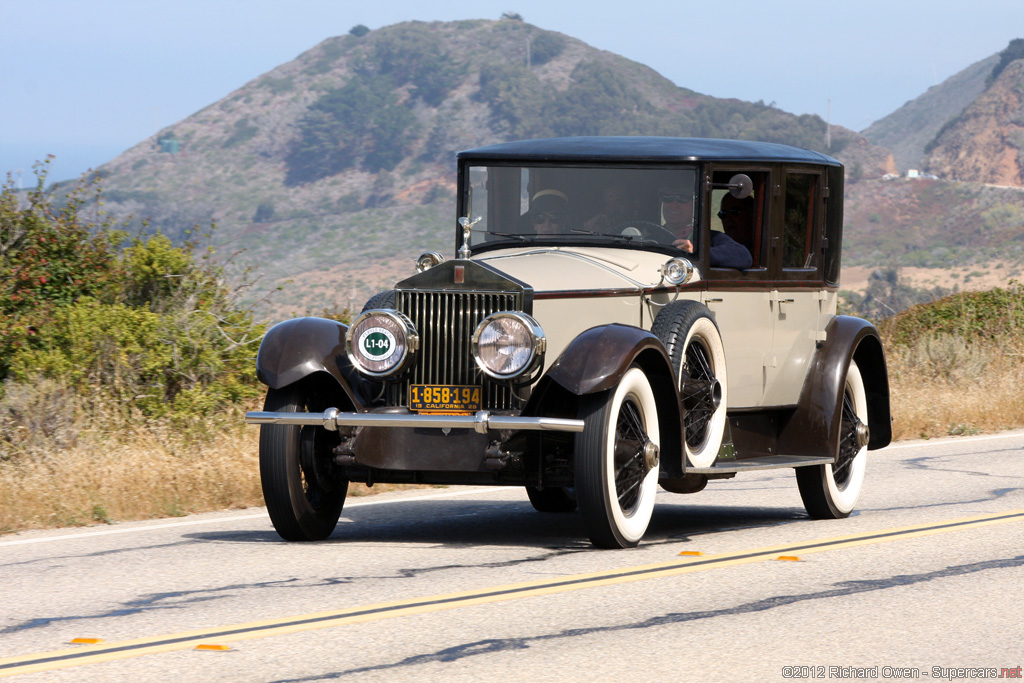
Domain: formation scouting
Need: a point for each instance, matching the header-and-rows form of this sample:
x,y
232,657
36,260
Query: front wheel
x,y
301,487
616,462
831,491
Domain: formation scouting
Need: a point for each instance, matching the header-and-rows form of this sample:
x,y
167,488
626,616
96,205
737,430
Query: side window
x,y
803,193
743,221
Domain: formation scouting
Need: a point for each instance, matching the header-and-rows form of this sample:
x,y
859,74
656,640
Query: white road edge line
x,y
952,439
482,489
256,515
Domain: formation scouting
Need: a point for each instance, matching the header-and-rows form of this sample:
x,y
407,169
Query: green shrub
x,y
360,123
147,324
995,314
414,54
1013,51
242,132
545,46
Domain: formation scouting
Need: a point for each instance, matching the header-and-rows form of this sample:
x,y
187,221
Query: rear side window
x,y
803,202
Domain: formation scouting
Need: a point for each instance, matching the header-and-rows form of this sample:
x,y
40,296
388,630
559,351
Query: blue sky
x,y
87,80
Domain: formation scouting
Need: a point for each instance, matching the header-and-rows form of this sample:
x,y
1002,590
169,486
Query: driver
x,y
677,216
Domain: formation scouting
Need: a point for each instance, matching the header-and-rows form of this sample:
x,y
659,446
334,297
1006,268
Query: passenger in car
x,y
725,252
731,249
728,253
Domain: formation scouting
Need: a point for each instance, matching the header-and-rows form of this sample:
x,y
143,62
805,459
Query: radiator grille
x,y
445,322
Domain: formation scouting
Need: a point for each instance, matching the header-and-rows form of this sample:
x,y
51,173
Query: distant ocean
x,y
70,163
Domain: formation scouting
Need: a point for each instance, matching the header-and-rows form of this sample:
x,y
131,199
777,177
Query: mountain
x,y
908,130
984,144
330,173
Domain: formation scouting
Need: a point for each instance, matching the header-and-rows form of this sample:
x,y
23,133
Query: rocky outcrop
x,y
909,129
984,144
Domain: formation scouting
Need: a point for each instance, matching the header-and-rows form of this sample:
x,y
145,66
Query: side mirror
x,y
741,186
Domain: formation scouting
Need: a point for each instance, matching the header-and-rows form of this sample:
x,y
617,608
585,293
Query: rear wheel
x,y
831,491
616,462
301,487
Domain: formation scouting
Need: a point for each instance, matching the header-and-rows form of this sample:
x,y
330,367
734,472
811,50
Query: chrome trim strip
x,y
481,421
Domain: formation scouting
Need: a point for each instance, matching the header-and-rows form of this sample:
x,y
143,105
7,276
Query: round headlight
x,y
381,342
508,344
428,260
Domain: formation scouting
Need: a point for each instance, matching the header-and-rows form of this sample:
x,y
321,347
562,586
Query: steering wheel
x,y
650,231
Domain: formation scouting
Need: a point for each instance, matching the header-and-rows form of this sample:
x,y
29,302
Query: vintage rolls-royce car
x,y
621,313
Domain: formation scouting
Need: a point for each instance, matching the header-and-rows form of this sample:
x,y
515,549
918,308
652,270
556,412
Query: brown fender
x,y
595,361
598,358
298,348
813,428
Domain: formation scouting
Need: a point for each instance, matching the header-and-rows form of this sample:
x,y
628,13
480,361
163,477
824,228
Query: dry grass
x,y
942,386
143,474
65,471
65,464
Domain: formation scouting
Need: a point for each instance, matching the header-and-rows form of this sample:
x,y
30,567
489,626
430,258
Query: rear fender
x,y
813,428
301,347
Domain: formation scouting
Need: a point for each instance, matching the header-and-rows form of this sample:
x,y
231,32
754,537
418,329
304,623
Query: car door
x,y
738,298
797,299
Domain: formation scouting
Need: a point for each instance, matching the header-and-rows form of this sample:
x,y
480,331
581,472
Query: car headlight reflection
x,y
508,345
381,342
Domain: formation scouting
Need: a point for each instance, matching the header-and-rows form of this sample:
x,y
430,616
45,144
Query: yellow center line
x,y
260,629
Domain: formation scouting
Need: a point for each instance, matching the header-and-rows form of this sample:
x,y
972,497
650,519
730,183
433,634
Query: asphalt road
x,y
471,584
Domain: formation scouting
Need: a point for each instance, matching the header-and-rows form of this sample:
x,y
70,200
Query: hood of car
x,y
561,269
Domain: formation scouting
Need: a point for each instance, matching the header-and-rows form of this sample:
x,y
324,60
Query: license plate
x,y
444,398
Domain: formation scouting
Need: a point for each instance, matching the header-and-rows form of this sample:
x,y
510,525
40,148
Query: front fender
x,y
595,361
297,348
814,427
598,358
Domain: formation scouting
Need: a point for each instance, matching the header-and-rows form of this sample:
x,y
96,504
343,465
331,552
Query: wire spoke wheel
x,y
697,392
831,491
848,446
616,461
695,347
630,469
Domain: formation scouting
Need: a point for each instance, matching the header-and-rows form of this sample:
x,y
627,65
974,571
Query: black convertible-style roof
x,y
644,149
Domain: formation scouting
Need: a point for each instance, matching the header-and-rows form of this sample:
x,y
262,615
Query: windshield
x,y
568,205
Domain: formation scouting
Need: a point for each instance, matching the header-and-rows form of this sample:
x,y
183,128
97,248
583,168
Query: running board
x,y
767,462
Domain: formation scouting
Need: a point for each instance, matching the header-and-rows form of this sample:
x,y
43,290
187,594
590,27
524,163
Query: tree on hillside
x,y
415,55
359,124
1013,52
888,294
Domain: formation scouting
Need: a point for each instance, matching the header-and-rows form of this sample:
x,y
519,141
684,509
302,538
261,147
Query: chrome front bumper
x,y
481,422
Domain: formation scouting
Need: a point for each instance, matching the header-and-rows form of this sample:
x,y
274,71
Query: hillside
x,y
964,230
331,172
984,144
908,130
